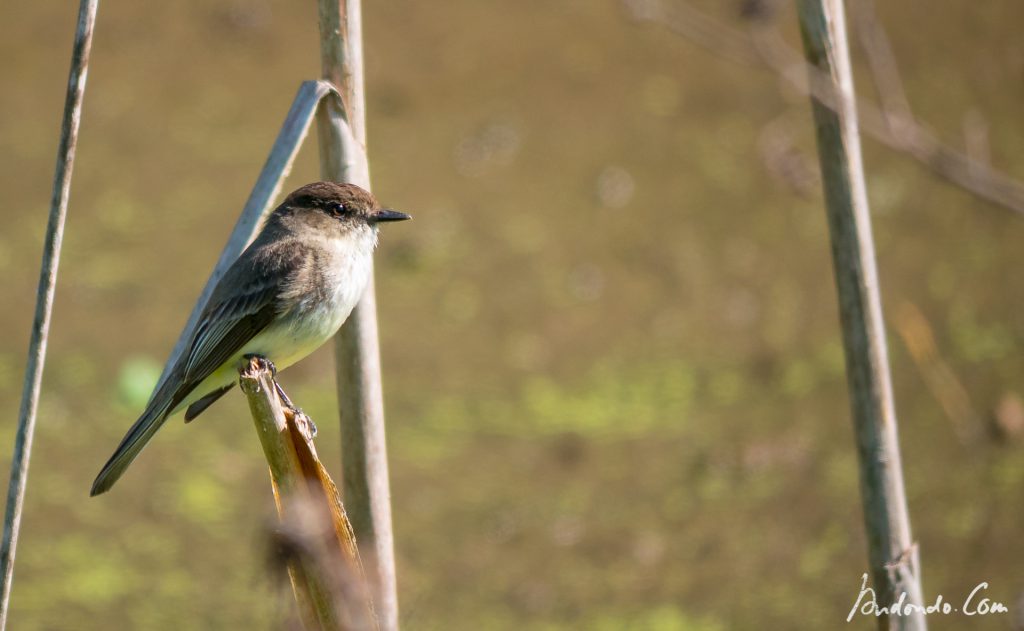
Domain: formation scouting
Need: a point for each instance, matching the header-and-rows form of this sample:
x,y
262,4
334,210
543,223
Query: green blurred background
x,y
612,368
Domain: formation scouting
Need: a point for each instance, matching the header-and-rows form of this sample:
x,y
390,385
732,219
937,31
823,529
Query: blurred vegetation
x,y
612,369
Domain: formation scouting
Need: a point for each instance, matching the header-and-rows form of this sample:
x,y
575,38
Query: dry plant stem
x,y
892,554
337,554
357,353
894,124
44,295
316,601
268,185
327,577
896,128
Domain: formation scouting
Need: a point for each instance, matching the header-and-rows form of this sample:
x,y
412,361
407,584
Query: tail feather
x,y
131,445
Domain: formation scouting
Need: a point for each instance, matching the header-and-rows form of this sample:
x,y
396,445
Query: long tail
x,y
133,443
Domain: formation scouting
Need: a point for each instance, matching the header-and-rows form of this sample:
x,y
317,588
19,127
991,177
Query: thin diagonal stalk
x,y
892,554
44,296
268,185
357,352
892,124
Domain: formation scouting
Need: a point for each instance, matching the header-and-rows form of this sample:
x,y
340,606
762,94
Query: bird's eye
x,y
339,209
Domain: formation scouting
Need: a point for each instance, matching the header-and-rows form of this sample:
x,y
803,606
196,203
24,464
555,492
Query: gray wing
x,y
245,301
228,323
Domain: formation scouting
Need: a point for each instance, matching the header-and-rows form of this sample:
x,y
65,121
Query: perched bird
x,y
287,294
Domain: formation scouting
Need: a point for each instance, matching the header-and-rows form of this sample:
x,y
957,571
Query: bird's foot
x,y
263,362
305,424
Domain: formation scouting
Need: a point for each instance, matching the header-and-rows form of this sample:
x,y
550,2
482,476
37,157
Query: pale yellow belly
x,y
283,345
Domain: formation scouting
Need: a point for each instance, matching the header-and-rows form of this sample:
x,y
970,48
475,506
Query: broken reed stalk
x,y
323,564
892,554
261,198
44,297
357,352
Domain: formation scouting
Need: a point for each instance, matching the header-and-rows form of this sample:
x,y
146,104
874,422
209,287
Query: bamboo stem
x,y
44,297
357,352
892,554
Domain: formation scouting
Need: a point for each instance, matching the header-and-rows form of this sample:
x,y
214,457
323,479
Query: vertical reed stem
x,y
892,554
357,353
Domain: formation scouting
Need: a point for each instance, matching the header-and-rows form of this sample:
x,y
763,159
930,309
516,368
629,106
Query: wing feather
x,y
245,302
227,329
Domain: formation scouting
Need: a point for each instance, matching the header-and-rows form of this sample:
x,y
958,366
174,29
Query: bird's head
x,y
346,204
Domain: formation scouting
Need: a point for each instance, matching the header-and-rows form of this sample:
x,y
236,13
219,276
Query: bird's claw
x,y
263,362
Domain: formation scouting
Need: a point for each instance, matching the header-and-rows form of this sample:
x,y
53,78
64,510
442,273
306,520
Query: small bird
x,y
288,293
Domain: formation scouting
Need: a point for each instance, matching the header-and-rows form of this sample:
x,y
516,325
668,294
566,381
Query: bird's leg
x,y
302,420
284,397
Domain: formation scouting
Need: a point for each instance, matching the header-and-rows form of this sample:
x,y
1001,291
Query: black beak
x,y
386,214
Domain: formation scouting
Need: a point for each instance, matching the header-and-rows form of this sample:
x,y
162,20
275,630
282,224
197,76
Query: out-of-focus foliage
x,y
614,383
